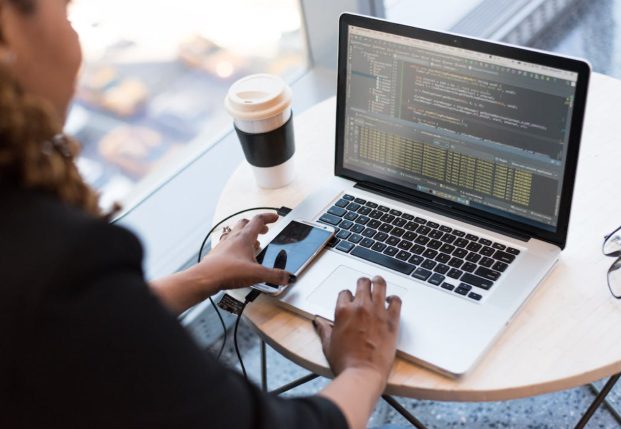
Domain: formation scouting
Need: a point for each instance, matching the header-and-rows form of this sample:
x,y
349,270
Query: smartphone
x,y
293,249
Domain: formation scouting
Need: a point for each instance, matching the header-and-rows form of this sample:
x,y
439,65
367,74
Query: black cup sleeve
x,y
268,149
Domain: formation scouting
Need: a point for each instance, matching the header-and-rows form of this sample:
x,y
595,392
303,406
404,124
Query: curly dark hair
x,y
28,126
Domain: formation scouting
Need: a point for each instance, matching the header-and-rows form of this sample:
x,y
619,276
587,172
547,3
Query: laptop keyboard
x,y
448,258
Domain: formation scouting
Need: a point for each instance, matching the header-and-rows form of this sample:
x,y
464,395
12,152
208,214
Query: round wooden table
x,y
567,334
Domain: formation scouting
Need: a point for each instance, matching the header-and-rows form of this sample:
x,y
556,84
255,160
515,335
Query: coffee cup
x,y
260,105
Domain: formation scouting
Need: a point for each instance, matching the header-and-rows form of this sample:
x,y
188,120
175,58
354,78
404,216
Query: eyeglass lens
x,y
613,243
614,278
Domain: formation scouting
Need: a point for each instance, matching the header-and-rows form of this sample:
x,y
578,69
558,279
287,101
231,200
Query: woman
x,y
84,341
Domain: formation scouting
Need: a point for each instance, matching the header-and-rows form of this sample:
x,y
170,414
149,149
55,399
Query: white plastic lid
x,y
257,97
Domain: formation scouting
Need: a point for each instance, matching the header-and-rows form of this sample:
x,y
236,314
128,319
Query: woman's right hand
x,y
364,334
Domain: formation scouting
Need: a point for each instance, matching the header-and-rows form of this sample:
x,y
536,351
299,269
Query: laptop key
x,y
463,289
486,262
441,269
393,241
448,238
378,247
376,214
469,267
397,232
473,257
363,220
447,248
454,273
430,253
472,237
369,233
337,211
477,281
416,260
434,244
421,274
505,257
421,239
386,227
403,255
474,247
367,242
345,246
330,219
435,234
351,216
444,228
411,226
353,207
487,251
400,222
355,238
429,264
433,225
372,205
460,242
447,286
499,246
391,251
383,209
460,253
407,216
455,263
443,258
513,251
418,249
436,279
405,245
360,201
374,223
333,242
410,236
341,203
346,224
388,218
475,296
396,212
357,229
423,230
500,266
486,273
485,242
364,211
381,236
420,220
348,197
343,235
383,260
458,233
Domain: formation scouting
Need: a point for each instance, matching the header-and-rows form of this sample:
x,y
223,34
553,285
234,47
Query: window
x,y
151,92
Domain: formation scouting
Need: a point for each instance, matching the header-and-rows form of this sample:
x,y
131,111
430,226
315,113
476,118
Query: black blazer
x,y
83,342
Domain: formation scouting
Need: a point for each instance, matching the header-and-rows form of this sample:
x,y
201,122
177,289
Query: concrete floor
x,y
592,30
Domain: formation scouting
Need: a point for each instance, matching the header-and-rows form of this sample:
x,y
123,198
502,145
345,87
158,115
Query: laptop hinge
x,y
445,209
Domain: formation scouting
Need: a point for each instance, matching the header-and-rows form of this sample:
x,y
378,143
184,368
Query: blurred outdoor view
x,y
155,75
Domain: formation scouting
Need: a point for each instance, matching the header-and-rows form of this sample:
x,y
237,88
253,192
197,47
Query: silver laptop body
x,y
445,143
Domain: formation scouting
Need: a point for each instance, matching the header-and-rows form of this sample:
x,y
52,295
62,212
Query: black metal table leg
x,y
263,366
609,407
405,413
601,397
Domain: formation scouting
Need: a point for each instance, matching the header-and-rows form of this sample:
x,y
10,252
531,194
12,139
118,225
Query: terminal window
x,y
479,130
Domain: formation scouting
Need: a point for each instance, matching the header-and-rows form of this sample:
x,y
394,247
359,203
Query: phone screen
x,y
293,246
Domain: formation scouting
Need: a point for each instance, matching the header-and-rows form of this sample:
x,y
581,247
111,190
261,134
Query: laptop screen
x,y
483,131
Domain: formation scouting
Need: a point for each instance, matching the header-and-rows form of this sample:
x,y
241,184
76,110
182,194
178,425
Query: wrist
x,y
370,378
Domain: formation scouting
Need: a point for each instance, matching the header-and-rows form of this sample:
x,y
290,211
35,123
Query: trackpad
x,y
324,296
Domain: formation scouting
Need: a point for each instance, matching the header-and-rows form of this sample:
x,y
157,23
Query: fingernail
x,y
292,279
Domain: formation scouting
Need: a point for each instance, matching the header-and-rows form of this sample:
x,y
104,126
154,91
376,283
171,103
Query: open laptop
x,y
455,168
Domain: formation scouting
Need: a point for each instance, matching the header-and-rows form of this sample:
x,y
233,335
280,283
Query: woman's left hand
x,y
232,263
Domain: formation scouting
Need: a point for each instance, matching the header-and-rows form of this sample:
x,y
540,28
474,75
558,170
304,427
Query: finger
x,y
259,222
345,297
240,224
274,276
363,290
324,330
379,291
394,309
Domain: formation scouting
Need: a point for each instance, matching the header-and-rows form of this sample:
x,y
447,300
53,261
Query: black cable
x,y
241,361
213,304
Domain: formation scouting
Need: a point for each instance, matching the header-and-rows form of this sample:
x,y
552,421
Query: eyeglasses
x,y
612,247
